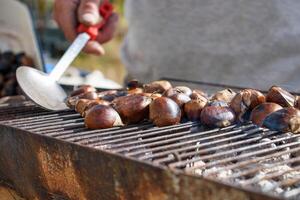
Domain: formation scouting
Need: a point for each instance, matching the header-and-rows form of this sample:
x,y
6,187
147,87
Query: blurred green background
x,y
54,44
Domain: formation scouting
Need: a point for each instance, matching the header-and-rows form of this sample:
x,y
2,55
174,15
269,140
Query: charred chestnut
x,y
193,108
260,112
217,115
101,116
245,101
82,89
164,111
177,95
157,87
132,108
286,119
134,84
224,95
280,96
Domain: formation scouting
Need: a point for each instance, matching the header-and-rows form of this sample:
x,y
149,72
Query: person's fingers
x,y
94,47
107,31
64,13
88,12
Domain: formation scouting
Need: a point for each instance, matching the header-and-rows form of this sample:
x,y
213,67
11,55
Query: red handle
x,y
105,10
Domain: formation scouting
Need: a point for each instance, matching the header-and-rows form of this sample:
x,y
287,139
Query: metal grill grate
x,y
245,155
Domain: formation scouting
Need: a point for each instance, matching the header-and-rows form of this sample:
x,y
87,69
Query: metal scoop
x,y
42,88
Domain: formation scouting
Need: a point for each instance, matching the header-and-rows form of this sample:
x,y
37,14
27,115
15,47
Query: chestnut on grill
x,y
82,89
93,103
286,119
183,89
132,108
245,101
135,91
164,111
101,116
82,105
71,101
157,87
224,95
217,114
260,112
193,108
110,95
280,96
177,95
198,94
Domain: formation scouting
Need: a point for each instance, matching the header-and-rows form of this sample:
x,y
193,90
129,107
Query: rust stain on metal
x,y
59,174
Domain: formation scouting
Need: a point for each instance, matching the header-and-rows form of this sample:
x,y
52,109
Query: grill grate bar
x,y
244,155
209,146
196,139
252,171
136,135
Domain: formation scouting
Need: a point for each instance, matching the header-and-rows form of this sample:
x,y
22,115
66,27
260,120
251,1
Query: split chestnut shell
x,y
245,101
157,87
224,95
280,96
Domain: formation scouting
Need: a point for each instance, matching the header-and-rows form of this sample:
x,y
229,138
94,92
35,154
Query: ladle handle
x,y
68,57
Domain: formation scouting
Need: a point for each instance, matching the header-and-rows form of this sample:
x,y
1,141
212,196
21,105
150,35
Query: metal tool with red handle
x,y
44,89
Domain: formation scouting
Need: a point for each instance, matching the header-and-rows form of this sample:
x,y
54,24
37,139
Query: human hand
x,y
69,13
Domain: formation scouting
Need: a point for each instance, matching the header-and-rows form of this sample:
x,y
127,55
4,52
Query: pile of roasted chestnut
x,y
9,62
165,105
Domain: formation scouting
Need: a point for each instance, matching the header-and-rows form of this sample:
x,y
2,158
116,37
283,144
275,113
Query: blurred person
x,y
241,42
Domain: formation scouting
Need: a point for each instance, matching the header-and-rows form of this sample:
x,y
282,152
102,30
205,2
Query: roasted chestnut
x,y
82,89
286,119
198,94
101,116
164,111
260,112
193,108
180,99
132,108
157,87
224,95
71,101
245,101
183,89
93,103
280,96
82,105
217,115
110,95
